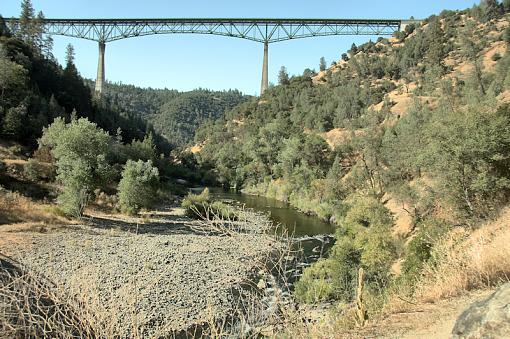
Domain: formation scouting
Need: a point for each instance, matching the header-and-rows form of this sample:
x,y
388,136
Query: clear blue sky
x,y
185,62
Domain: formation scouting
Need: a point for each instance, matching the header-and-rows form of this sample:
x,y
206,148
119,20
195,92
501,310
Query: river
x,y
314,235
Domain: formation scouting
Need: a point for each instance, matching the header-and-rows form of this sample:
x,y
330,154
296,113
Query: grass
x,y
16,208
464,261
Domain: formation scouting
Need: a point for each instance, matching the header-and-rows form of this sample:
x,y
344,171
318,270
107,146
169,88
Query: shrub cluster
x,y
137,187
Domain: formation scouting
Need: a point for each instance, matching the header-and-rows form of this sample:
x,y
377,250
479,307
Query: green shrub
x,y
223,211
33,170
419,249
316,283
496,57
137,187
196,204
201,206
362,240
80,149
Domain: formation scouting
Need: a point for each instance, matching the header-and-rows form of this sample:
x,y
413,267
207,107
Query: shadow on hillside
x,y
26,188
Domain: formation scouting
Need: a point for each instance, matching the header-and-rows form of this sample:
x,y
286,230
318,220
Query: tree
x,y
322,64
70,56
13,121
44,44
137,186
283,76
489,9
12,75
80,150
308,73
345,57
354,49
142,150
506,6
26,22
4,30
469,155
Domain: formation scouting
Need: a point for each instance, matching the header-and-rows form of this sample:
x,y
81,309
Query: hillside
x,y
353,117
404,144
175,115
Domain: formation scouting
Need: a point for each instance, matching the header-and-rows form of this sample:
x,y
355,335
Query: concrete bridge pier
x,y
100,78
265,82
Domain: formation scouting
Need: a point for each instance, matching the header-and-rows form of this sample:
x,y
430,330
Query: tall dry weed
x,y
463,261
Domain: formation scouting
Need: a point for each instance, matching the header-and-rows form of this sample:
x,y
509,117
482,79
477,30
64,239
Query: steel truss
x,y
260,30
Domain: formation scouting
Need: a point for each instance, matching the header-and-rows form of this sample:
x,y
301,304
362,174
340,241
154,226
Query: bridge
x,y
264,31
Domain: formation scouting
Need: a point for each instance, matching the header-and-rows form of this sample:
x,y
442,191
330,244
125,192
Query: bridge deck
x,y
267,30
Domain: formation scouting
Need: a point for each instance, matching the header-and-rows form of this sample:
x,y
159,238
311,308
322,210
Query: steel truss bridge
x,y
265,31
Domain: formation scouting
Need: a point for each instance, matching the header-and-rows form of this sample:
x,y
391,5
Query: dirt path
x,y
423,321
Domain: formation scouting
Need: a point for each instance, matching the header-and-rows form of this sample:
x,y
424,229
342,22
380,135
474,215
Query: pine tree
x,y
4,30
283,76
490,9
12,75
69,56
26,22
44,44
322,64
354,49
13,121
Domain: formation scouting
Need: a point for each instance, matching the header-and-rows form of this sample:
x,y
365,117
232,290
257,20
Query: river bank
x,y
279,190
156,276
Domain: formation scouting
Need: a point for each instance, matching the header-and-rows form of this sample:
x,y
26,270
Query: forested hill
x,y
176,115
399,143
35,89
426,105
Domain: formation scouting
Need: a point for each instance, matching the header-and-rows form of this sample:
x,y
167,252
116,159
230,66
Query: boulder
x,y
489,318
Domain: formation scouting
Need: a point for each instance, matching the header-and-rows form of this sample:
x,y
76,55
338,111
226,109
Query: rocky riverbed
x,y
160,275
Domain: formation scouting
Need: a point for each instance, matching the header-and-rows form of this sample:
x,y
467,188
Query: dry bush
x,y
16,208
30,308
464,261
43,154
105,201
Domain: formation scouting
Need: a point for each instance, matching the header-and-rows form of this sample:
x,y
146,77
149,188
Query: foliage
x,y
283,76
80,150
143,150
419,249
196,203
173,115
363,240
203,206
322,64
315,285
35,89
137,187
35,171
14,121
468,154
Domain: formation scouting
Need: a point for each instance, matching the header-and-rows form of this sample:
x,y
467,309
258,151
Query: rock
x,y
489,318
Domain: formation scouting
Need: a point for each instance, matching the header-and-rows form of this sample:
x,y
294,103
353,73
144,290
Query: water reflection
x,y
293,221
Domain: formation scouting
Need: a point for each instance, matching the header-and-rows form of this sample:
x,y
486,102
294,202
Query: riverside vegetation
x,y
403,144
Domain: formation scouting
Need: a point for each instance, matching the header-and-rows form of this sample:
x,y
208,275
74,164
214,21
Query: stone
x,y
489,318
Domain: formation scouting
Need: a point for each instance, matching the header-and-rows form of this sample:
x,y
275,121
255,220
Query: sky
x,y
189,61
